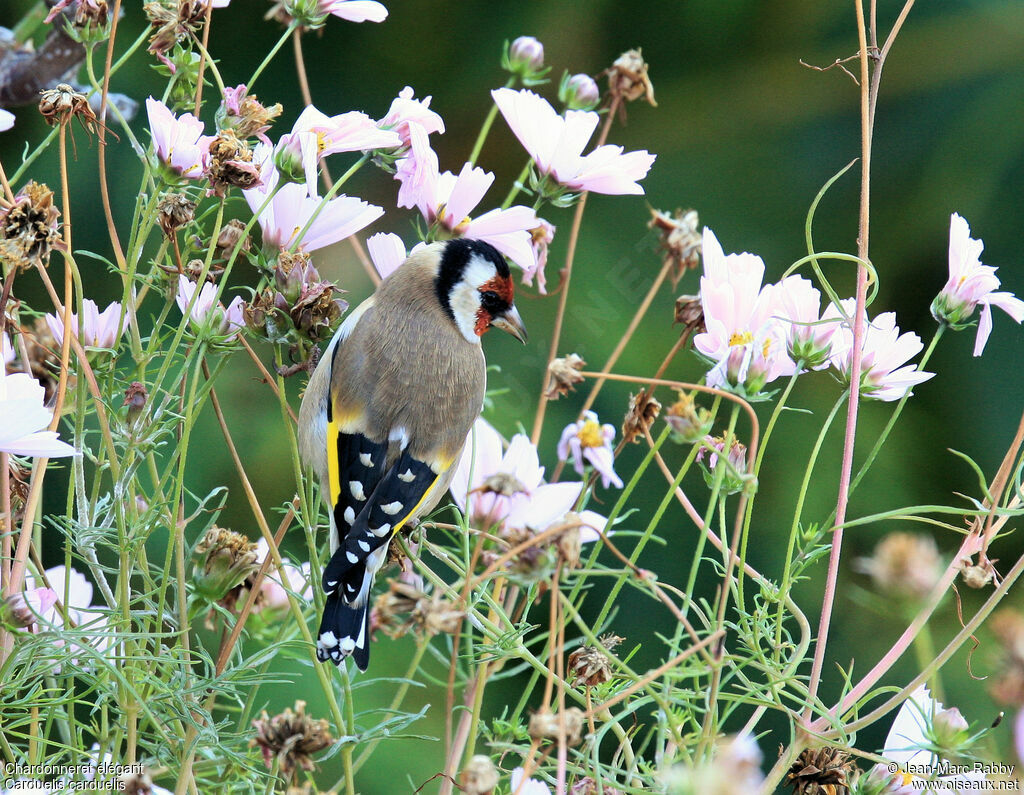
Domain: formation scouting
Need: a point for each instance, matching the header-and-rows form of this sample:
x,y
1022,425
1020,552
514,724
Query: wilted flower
x,y
446,201
904,565
292,208
977,575
540,238
914,742
735,476
29,229
231,164
205,313
95,329
579,92
522,785
643,411
60,104
24,417
23,610
317,309
743,337
548,725
588,440
172,24
884,351
563,375
224,559
734,769
179,141
291,738
817,770
588,786
135,397
556,145
480,776
407,114
628,80
690,312
680,240
689,422
174,211
246,115
971,283
590,665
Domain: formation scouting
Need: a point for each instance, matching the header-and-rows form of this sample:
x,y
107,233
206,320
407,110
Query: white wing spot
x,y
356,487
352,556
328,640
332,583
363,546
391,508
350,515
407,476
381,531
365,460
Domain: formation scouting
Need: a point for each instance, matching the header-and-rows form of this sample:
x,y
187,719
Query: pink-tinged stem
x,y
855,367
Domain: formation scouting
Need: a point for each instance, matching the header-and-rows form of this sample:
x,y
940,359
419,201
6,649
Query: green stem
x,y
492,114
270,55
327,197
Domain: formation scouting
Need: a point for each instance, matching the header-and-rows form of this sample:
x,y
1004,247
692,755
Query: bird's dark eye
x,y
492,302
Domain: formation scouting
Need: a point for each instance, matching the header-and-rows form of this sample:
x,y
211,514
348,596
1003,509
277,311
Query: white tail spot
x,y
391,508
350,515
356,487
347,645
407,476
381,531
363,546
365,459
328,640
352,556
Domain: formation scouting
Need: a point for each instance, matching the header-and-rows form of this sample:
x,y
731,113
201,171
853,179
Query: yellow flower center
x,y
907,778
741,338
321,142
766,347
590,434
460,227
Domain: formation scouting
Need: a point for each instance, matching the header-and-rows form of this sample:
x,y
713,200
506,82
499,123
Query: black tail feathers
x,y
344,631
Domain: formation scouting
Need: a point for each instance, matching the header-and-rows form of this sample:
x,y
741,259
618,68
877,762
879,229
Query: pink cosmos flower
x,y
406,112
527,786
743,335
885,350
274,595
6,120
346,132
808,333
78,605
447,200
590,440
509,489
24,416
222,322
26,608
179,142
6,349
556,145
355,10
387,252
292,208
971,283
96,329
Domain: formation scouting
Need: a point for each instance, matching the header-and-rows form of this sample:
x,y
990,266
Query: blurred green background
x,y
747,136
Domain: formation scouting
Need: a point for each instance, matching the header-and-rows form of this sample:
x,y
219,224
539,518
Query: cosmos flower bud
x,y
548,725
135,397
689,423
480,776
951,730
232,235
525,54
734,479
579,92
22,610
224,559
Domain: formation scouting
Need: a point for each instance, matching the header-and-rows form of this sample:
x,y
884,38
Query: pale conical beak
x,y
512,323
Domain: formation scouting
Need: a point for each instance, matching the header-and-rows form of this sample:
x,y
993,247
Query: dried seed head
x,y
978,575
194,271
404,607
291,738
29,229
135,783
231,164
680,240
690,312
503,483
587,786
232,234
628,79
293,271
480,776
172,21
563,375
821,771
590,665
224,559
317,309
569,542
644,409
174,211
689,422
547,725
438,616
734,769
904,565
62,103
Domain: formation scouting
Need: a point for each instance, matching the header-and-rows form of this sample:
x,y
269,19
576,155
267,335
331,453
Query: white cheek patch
x,y
464,298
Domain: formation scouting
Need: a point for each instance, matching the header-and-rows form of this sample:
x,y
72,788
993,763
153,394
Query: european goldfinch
x,y
387,412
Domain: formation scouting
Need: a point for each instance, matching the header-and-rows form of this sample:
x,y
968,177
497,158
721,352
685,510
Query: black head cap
x,y
454,259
